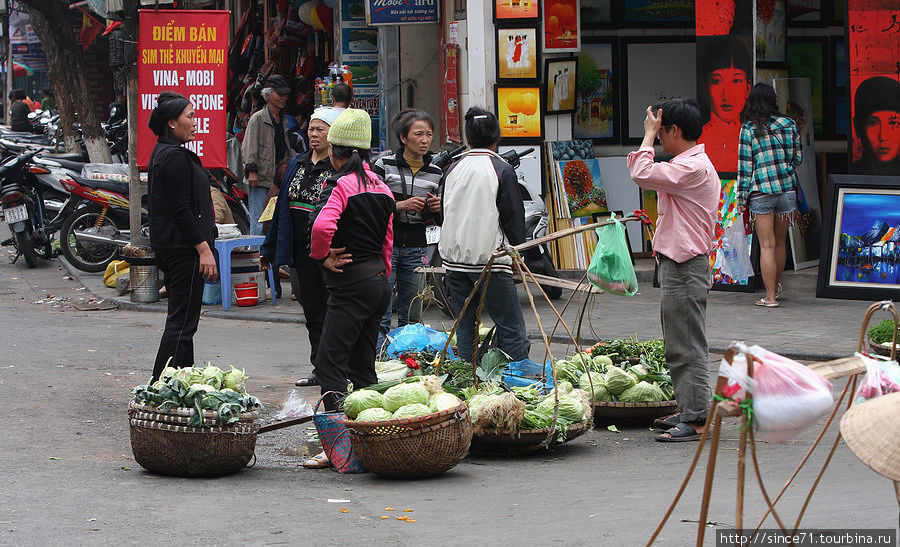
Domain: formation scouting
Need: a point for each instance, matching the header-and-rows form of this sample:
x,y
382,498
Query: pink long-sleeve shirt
x,y
689,189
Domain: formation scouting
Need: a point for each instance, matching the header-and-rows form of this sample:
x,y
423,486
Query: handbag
x,y
335,440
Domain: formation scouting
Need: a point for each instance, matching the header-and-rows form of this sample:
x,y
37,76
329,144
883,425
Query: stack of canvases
x,y
576,193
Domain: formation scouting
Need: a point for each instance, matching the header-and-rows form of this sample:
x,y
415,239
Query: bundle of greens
x,y
496,409
883,333
455,375
200,388
407,398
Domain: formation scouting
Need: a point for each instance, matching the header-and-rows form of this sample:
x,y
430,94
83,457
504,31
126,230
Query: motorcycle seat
x,y
68,164
112,186
74,157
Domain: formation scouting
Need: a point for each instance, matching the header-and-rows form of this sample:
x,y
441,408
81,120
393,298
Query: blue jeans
x,y
502,304
763,204
257,203
406,284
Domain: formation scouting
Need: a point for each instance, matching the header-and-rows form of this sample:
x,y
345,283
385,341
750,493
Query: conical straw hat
x,y
872,431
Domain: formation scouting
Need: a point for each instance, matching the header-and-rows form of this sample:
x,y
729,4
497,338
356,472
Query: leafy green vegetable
x,y
405,394
600,362
617,380
492,364
235,379
443,401
359,400
565,386
883,332
374,415
599,392
189,376
570,407
411,411
213,376
535,419
642,392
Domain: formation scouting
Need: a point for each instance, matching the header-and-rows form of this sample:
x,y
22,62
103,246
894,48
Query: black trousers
x,y
347,350
313,296
185,287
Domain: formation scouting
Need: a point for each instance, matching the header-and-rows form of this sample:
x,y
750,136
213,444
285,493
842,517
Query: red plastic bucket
x,y
246,294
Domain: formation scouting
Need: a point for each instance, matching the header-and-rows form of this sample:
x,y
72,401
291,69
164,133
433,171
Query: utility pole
x,y
136,189
9,66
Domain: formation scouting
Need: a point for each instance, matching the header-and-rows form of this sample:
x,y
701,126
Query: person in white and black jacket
x,y
416,185
482,210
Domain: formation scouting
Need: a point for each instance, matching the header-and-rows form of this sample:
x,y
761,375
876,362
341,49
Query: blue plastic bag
x,y
527,373
416,337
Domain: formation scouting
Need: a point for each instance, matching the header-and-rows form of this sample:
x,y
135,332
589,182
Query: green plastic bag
x,y
611,269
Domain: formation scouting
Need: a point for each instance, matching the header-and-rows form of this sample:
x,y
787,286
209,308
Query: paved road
x,y
69,477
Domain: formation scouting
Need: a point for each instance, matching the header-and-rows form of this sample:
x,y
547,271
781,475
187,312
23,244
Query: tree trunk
x,y
51,20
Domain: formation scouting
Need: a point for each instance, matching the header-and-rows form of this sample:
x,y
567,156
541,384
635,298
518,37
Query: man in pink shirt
x,y
688,189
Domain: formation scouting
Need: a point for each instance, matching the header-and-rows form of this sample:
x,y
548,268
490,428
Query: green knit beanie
x,y
353,129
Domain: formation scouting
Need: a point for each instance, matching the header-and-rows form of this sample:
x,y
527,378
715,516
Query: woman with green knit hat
x,y
353,238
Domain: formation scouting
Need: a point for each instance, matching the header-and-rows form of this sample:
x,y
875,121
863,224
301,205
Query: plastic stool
x,y
224,248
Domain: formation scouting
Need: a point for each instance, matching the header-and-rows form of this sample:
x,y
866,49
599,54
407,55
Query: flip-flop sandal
x,y
778,291
307,382
679,434
766,304
666,422
319,461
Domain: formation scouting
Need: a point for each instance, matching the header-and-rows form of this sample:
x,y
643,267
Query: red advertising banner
x,y
451,92
185,52
873,32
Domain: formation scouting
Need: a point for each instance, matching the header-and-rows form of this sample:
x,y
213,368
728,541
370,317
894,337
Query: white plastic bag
x,y
734,256
882,377
294,407
787,396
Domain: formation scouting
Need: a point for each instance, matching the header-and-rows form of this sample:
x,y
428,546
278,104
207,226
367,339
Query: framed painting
x,y
861,248
653,13
806,59
655,69
771,31
517,54
596,14
719,261
582,184
561,26
519,112
560,77
517,10
596,113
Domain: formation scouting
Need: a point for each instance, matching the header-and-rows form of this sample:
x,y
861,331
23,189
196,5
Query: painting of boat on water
x,y
866,244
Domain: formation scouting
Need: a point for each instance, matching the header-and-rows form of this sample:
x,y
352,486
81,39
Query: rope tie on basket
x,y
510,250
745,406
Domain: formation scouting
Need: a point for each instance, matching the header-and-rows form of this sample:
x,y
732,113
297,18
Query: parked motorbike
x,y
91,235
23,198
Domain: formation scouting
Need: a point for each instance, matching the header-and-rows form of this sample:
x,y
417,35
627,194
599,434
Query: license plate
x,y
16,214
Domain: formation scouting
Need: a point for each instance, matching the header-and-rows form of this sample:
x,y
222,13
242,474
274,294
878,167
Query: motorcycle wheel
x,y
88,257
550,270
25,245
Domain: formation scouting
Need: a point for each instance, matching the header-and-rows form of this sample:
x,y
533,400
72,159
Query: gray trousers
x,y
683,313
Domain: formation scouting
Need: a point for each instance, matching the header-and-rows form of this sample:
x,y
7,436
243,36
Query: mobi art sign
x,y
398,12
185,52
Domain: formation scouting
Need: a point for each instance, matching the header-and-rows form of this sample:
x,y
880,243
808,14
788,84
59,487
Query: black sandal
x,y
309,381
680,433
667,422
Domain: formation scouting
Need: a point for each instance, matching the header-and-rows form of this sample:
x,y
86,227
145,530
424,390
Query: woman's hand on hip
x,y
207,262
337,259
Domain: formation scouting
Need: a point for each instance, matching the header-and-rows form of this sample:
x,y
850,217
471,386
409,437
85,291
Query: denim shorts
x,y
763,204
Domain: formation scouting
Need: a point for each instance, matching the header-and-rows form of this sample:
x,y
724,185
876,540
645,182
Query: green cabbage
x,y
475,403
411,411
360,400
189,376
600,362
617,380
405,394
595,379
534,419
374,415
443,401
642,392
565,386
213,376
235,379
570,407
568,370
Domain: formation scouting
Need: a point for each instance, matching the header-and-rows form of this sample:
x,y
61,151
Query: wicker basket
x,y
413,447
882,349
634,411
182,416
162,445
526,441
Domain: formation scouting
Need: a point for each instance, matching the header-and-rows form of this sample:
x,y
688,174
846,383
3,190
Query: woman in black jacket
x,y
182,231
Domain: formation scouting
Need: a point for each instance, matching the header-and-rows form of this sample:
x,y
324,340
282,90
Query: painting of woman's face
x,y
728,91
882,130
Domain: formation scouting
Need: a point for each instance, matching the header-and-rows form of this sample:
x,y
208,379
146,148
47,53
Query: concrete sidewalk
x,y
804,327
